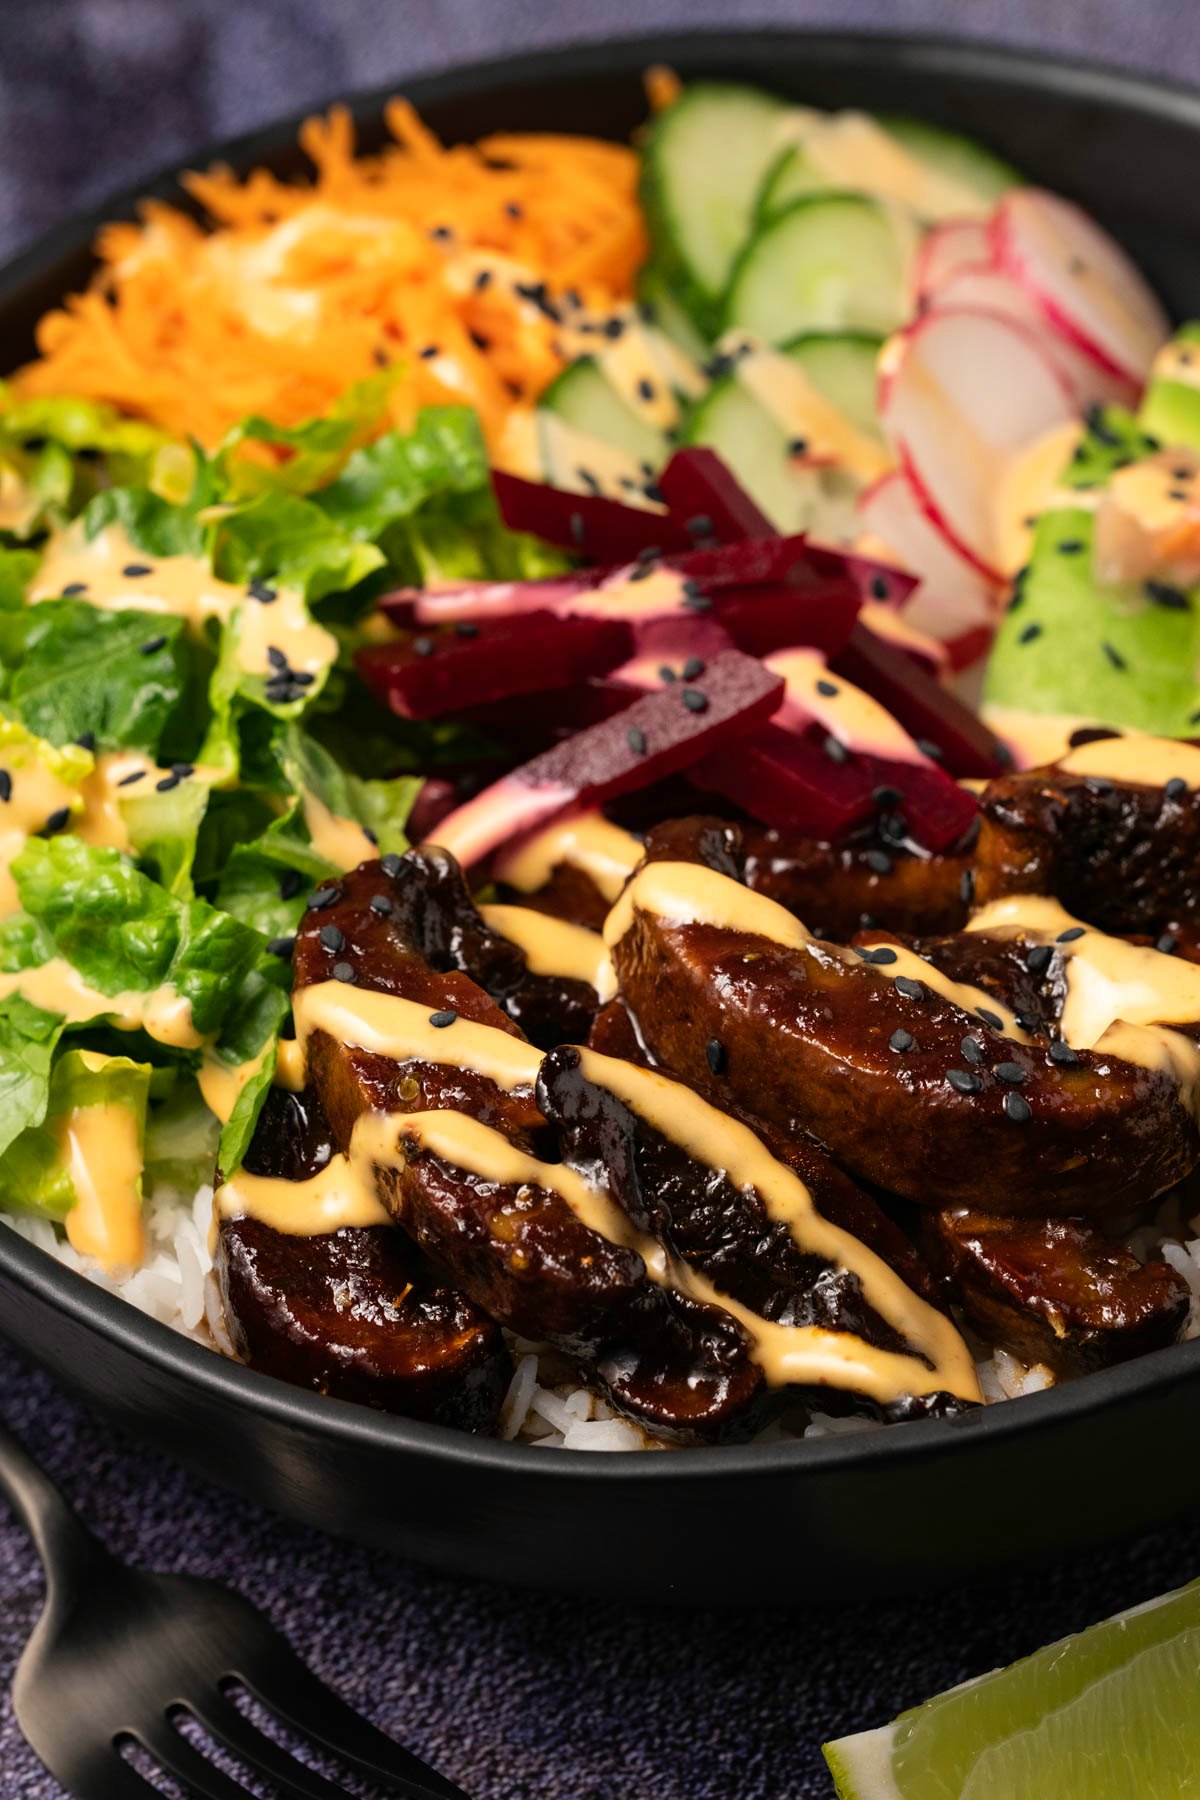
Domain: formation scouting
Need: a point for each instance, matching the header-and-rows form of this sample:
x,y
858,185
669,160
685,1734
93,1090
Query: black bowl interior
x,y
899,1508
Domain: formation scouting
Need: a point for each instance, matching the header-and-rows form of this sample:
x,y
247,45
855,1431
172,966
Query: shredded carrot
x,y
446,263
663,86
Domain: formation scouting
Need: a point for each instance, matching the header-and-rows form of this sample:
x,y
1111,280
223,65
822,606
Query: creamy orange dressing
x,y
102,1152
1026,482
289,1065
843,710
389,1026
1120,997
342,1193
1148,520
221,1083
563,451
646,376
1137,759
885,622
856,154
36,796
550,946
1036,739
57,987
342,842
587,842
785,1353
688,894
185,587
790,397
1177,361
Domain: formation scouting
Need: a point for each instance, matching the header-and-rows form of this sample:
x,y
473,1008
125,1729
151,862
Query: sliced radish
x,y
953,602
981,285
961,394
587,524
1081,278
943,251
427,675
650,739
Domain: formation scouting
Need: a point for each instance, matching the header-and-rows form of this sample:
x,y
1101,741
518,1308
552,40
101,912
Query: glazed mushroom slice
x,y
1055,1291
926,1087
351,1309
1112,830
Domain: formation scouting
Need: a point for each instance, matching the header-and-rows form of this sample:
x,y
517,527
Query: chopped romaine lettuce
x,y
28,1039
33,1169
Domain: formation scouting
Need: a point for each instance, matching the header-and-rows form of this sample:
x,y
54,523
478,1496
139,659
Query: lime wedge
x,y
1110,1714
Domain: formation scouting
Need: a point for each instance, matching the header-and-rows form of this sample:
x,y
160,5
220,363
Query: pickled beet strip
x,y
700,491
605,531
428,675
795,784
650,739
927,710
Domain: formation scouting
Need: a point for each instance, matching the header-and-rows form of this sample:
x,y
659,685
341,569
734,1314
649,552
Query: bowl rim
x,y
227,1381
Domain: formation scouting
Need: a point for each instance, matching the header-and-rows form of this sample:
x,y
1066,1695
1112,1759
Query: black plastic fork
x,y
120,1656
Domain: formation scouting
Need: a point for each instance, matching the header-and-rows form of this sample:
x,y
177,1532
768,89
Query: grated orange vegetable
x,y
298,289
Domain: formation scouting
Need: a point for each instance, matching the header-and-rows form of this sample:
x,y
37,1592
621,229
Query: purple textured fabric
x,y
518,1697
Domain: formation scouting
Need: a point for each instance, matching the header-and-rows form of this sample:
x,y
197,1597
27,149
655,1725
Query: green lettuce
x,y
32,1170
316,449
28,1039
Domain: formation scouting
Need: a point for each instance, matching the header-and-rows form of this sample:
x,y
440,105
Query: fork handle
x,y
62,1542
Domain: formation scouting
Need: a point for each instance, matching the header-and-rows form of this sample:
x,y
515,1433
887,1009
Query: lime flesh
x,y
1110,1714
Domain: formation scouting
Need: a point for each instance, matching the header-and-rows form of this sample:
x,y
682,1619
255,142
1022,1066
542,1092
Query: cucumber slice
x,y
960,158
843,365
832,262
702,166
791,177
656,298
583,398
754,448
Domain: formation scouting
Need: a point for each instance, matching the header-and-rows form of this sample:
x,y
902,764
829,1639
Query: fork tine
x,y
285,1686
108,1777
192,1770
261,1753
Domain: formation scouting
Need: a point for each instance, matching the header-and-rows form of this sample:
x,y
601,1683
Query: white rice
x,y
545,1404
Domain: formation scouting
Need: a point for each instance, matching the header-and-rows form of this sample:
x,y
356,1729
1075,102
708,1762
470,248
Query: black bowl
x,y
899,1508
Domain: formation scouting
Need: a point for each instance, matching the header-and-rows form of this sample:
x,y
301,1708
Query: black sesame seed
x,y
1031,631
391,864
276,657
928,748
828,688
966,887
372,837
698,526
1011,1072
652,491
902,1040
321,897
86,740
893,828
636,740
990,1018
343,971
798,446
1176,788
881,955
714,1055
834,749
166,784
879,587
153,644
5,785
578,529
331,938
57,822
466,628
666,673
693,668
423,646
1099,786
483,280
379,903
692,589
1114,655
439,1020
649,553
886,796
1038,959
972,1050
694,700
1018,599
1069,936
645,389
427,352
281,946
441,234
1017,1108
133,570
513,209
912,990
75,587
1164,594
1167,944
879,861
697,603
1069,546
1178,494
262,591
290,883
963,1081
1061,1052
589,480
